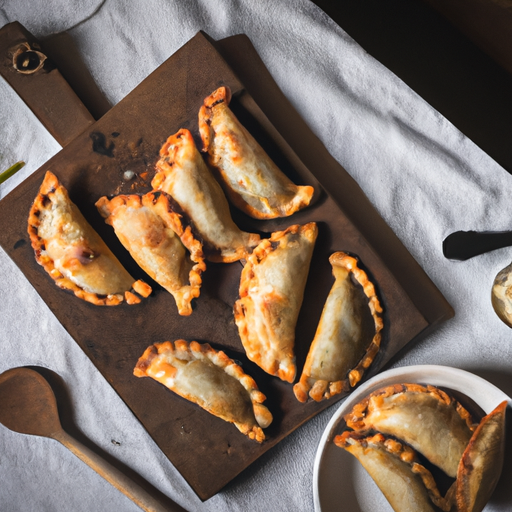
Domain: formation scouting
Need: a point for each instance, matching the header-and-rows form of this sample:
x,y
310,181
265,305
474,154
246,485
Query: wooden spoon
x,y
28,406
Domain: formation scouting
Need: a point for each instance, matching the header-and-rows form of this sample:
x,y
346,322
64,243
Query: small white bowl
x,y
340,483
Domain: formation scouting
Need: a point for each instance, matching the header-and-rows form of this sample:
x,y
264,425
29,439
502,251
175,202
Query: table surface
x,y
416,113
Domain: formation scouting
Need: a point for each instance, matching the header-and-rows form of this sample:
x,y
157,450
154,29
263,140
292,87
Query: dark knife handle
x,y
463,245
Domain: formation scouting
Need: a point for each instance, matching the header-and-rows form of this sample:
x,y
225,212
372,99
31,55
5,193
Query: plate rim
x,y
439,373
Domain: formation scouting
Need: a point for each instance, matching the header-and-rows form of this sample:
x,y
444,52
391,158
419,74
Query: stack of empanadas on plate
x,y
396,426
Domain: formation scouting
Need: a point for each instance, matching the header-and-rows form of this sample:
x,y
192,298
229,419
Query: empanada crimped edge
x,y
482,461
157,362
48,188
261,311
182,173
324,389
249,177
158,207
418,490
441,433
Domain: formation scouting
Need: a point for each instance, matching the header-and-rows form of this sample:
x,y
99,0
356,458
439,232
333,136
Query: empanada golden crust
x,y
271,292
251,180
210,379
348,335
155,237
407,485
73,254
480,466
425,417
182,173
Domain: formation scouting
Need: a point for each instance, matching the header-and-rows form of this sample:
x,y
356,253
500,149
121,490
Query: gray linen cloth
x,y
424,177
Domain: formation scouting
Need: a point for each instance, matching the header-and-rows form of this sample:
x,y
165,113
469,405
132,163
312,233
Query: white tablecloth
x,y
424,177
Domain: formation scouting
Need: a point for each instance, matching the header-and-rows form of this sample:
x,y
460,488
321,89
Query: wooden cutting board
x,y
208,452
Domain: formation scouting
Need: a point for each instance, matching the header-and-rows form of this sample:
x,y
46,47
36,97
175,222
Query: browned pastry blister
x,y
182,173
271,292
210,379
251,180
424,417
394,467
348,335
156,238
73,254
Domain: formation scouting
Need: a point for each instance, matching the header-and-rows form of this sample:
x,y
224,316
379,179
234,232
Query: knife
x,y
463,245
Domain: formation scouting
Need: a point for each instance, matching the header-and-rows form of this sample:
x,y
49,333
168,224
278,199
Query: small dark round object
x,y
26,60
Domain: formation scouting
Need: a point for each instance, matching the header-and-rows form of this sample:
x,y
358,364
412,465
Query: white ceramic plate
x,y
340,484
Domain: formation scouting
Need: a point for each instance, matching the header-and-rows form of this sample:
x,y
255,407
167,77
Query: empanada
x,y
251,180
74,255
424,417
394,467
348,334
480,466
210,379
154,235
271,292
182,173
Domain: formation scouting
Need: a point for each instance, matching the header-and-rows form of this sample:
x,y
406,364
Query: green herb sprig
x,y
11,171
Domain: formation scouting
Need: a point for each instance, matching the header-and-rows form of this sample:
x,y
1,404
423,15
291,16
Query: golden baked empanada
x,y
271,292
155,237
251,180
394,467
74,255
480,466
424,417
210,379
348,334
182,173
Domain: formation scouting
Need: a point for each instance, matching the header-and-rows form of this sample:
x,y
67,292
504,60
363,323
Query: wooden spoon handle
x,y
115,477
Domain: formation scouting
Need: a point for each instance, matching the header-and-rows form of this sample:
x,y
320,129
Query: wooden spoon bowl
x,y
28,406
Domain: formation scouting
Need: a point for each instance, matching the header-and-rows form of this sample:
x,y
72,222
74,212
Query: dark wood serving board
x,y
208,452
